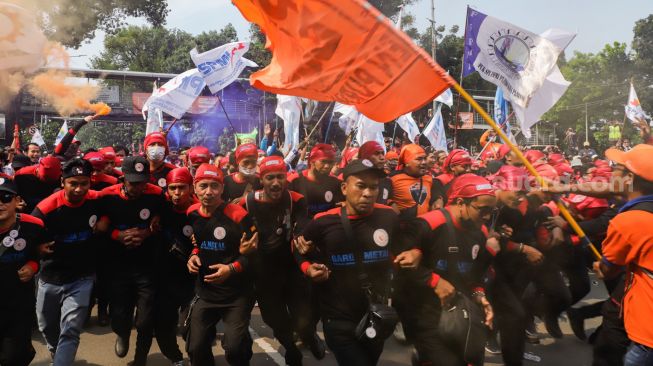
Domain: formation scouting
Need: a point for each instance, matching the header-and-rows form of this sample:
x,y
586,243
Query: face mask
x,y
156,153
246,171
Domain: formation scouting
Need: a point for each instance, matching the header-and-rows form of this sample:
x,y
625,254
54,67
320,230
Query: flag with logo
x,y
348,116
508,56
434,131
446,98
62,132
37,138
177,95
408,124
289,109
344,51
222,65
634,109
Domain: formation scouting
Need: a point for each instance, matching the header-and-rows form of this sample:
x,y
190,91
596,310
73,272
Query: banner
x,y
348,117
247,138
344,51
634,109
508,56
177,95
222,65
369,130
289,109
408,124
434,132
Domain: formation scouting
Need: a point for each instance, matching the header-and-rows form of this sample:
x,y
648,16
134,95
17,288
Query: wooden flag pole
x,y
563,210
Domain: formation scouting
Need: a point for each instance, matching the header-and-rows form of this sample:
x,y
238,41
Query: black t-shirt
x,y
385,191
71,228
22,245
158,177
124,213
101,181
176,247
235,188
31,189
320,195
341,296
217,241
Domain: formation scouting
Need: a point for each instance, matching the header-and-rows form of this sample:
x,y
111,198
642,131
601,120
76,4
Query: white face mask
x,y
246,171
156,153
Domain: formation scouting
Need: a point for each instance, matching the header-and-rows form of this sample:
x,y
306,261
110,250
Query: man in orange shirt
x,y
629,246
412,186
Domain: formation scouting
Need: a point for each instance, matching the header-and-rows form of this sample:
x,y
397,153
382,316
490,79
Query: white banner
x,y
634,109
369,130
177,95
289,109
37,138
222,65
408,124
434,132
446,97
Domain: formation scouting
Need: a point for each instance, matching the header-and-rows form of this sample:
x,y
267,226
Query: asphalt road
x,y
96,346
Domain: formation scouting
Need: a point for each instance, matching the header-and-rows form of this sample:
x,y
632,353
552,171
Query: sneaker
x,y
293,356
532,357
552,326
122,346
531,334
399,334
492,346
179,363
577,323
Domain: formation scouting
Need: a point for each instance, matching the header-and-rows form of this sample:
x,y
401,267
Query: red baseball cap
x,y
96,159
368,149
469,186
199,154
533,155
108,153
210,172
321,152
244,151
510,178
49,169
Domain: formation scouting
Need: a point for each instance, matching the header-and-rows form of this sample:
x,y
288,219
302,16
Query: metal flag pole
x,y
563,210
462,72
226,115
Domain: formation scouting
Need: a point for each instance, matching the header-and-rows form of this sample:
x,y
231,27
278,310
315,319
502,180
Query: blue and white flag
x,y
408,124
501,113
177,95
508,56
61,133
434,132
446,97
221,66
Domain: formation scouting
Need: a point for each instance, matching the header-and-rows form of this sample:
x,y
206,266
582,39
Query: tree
x,y
72,22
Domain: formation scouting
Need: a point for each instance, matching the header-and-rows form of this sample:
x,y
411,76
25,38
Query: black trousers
x,y
349,350
172,296
236,342
129,292
283,295
549,293
612,341
16,335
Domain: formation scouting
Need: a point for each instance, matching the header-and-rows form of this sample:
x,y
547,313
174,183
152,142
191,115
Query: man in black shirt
x,y
240,183
156,149
66,280
333,263
281,290
36,182
223,235
22,235
133,208
320,189
373,151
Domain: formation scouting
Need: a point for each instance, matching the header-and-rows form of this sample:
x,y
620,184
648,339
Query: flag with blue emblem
x,y
434,132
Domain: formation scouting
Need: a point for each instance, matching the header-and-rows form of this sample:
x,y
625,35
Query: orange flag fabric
x,y
344,51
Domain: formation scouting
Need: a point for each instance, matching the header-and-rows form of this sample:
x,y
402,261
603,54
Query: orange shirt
x,y
630,242
406,192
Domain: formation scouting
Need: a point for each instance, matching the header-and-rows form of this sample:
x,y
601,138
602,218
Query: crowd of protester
x,y
369,240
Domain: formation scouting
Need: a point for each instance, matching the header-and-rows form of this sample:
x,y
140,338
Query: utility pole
x,y
587,134
433,41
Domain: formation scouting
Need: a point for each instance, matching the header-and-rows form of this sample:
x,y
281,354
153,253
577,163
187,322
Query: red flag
x,y
16,142
344,51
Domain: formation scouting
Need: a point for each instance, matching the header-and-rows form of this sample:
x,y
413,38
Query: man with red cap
x,y
133,209
36,182
320,189
111,159
156,150
373,151
175,290
244,180
412,186
197,155
99,180
224,237
454,241
281,290
456,163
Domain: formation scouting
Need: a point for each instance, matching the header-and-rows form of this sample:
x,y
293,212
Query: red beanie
x,y
208,171
96,159
368,149
49,169
179,175
456,157
321,152
469,186
272,164
199,154
156,137
244,151
108,153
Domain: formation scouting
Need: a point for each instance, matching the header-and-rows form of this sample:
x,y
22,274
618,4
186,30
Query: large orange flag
x,y
344,51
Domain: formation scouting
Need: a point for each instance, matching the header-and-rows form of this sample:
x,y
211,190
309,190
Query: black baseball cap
x,y
8,185
360,166
136,169
76,167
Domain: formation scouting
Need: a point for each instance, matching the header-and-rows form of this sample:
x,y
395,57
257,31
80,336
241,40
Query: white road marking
x,y
267,348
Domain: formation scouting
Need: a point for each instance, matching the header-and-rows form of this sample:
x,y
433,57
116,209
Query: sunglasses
x,y
6,197
485,210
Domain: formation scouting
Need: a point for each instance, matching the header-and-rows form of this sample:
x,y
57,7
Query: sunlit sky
x,y
597,22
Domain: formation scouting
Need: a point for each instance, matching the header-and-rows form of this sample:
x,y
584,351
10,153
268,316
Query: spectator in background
x,y
33,153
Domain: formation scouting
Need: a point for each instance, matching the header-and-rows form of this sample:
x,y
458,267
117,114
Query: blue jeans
x,y
61,312
639,355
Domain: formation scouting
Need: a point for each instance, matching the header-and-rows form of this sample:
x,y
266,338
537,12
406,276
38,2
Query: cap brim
x,y
616,155
378,172
7,189
136,178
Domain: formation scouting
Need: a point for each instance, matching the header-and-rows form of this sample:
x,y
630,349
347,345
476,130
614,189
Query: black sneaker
x,y
577,323
531,334
552,326
293,356
122,346
492,346
316,345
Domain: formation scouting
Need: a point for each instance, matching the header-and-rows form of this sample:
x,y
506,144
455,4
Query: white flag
x,y
551,91
62,132
508,56
348,116
408,124
446,97
37,138
434,132
289,109
177,95
369,130
222,65
634,109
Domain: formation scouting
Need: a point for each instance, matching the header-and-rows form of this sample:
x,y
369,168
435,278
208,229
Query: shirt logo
x,y
475,250
219,233
92,220
418,195
380,237
187,230
328,196
79,171
8,241
13,233
139,167
2,181
385,194
144,214
367,163
162,182
20,244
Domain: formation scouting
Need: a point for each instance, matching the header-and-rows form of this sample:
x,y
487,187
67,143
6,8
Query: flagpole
x,y
462,71
563,210
226,115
